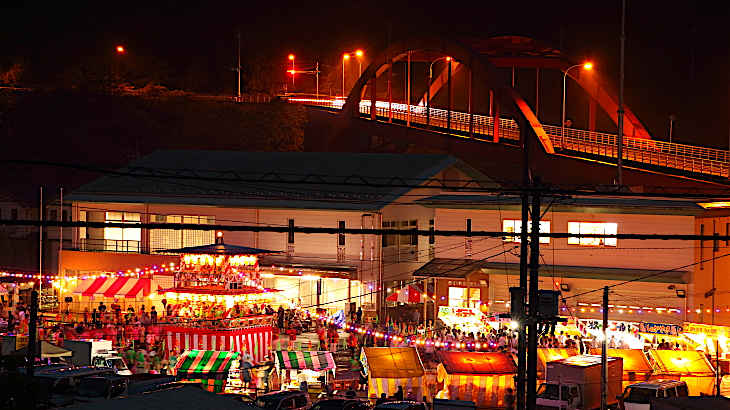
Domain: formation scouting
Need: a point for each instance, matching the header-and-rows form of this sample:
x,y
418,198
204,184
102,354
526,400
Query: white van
x,y
638,396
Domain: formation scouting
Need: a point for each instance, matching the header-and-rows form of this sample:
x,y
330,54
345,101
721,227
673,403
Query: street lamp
x,y
315,72
291,58
345,57
359,54
588,66
121,50
428,89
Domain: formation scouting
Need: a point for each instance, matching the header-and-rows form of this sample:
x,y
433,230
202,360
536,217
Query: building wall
x,y
636,254
715,268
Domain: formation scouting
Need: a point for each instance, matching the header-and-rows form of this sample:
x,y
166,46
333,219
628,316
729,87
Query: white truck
x,y
96,352
575,383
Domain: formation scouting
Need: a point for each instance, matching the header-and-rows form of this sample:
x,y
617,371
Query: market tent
x,y
687,365
549,354
316,361
114,287
636,366
390,367
47,350
209,366
476,376
409,294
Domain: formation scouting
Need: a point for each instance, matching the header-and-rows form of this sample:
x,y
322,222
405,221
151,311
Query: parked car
x,y
638,396
284,400
402,405
102,386
342,404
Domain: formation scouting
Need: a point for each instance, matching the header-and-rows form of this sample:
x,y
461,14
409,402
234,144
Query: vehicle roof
x,y
281,394
397,404
656,384
75,372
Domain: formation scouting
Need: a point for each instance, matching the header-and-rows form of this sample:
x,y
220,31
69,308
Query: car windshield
x,y
118,364
548,391
640,395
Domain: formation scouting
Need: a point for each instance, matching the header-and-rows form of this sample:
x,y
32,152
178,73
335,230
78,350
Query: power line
x,y
352,231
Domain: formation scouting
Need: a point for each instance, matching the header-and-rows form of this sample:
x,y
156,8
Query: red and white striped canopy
x,y
114,287
409,294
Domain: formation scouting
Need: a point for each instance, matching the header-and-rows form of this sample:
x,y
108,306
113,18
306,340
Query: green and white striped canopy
x,y
200,362
317,361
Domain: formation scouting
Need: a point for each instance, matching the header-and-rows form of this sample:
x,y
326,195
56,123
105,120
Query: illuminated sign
x,y
660,329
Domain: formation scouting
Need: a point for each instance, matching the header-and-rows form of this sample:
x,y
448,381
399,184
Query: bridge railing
x,y
697,159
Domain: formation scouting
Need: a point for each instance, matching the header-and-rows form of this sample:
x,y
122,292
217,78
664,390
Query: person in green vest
x,y
131,356
172,361
140,361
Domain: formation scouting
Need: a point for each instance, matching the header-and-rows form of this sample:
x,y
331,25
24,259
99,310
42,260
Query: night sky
x,y
677,56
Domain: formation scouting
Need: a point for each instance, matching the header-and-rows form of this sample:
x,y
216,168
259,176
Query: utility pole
x,y
620,134
604,364
31,354
533,300
238,65
40,244
522,335
451,101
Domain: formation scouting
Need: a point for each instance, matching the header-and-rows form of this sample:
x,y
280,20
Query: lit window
x,y
161,239
122,239
515,226
464,297
606,228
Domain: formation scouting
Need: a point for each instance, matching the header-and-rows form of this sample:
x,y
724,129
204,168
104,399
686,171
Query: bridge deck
x,y
572,141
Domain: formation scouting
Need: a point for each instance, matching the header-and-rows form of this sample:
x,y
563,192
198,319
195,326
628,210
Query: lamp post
x,y
359,54
428,89
291,58
315,72
345,57
586,66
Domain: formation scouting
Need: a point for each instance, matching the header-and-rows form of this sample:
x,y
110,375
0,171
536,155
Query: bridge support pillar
x,y
470,78
373,98
592,115
495,132
451,101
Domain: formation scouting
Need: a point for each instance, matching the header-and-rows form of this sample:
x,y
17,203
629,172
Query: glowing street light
x,y
359,54
121,50
345,57
291,58
428,89
587,66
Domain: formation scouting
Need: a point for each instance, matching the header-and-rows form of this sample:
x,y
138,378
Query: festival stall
x,y
295,367
390,367
476,376
215,301
620,334
689,366
657,333
636,366
465,319
708,338
549,354
124,291
208,367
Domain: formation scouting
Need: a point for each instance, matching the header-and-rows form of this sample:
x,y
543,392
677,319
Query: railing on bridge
x,y
689,158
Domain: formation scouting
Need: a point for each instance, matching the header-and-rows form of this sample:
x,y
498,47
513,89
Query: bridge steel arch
x,y
482,58
479,69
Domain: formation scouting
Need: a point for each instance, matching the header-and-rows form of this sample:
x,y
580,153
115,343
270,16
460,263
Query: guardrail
x,y
690,158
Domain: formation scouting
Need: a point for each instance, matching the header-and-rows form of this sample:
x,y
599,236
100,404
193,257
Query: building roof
x,y
303,262
460,268
449,268
308,180
481,363
595,272
393,362
220,249
634,205
634,359
675,363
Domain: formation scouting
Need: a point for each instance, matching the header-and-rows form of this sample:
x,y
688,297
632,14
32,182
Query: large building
x,y
268,189
660,280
